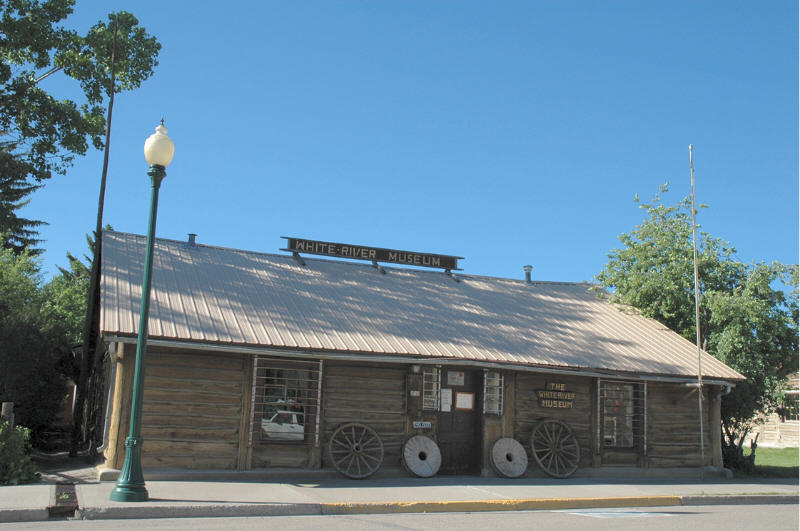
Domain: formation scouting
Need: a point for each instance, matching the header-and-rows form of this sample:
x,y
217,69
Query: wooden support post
x,y
245,455
8,413
509,403
120,412
594,406
715,425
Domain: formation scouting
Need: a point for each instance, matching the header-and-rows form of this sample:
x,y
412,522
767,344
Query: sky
x,y
508,133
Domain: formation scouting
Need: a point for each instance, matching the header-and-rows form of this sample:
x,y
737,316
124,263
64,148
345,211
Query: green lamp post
x,y
158,151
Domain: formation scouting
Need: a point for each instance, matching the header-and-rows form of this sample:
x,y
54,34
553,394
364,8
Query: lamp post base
x,y
130,485
132,493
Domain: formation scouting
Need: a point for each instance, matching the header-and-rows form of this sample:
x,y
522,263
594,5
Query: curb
x,y
740,499
498,505
321,509
327,509
198,511
23,515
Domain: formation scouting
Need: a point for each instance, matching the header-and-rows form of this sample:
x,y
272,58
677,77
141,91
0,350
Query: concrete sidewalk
x,y
335,495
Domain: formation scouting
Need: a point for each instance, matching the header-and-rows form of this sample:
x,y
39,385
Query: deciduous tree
x,y
41,133
747,319
31,347
40,324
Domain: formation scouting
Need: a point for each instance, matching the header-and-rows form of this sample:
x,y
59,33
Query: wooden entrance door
x,y
458,427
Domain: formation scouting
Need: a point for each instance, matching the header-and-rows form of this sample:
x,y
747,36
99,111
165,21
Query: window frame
x,y
292,387
637,416
493,389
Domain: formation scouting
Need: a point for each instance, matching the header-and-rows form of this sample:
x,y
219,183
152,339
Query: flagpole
x,y
697,318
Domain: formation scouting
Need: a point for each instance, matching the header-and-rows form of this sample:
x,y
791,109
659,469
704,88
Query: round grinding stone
x,y
509,458
421,456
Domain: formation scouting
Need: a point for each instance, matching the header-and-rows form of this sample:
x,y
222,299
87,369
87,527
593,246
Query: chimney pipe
x,y
192,239
527,269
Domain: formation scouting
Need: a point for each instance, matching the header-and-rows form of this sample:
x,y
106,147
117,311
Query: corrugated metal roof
x,y
214,295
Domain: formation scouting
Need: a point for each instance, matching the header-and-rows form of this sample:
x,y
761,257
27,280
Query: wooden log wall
x,y
673,426
192,410
370,394
527,412
282,455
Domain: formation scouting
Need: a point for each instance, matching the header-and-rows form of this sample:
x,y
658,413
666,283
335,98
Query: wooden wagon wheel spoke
x,y
555,448
355,450
570,450
343,459
559,464
557,434
540,448
349,465
552,458
548,435
342,444
570,455
543,452
544,436
370,456
369,445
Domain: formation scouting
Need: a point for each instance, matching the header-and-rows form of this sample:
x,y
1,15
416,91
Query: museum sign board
x,y
374,254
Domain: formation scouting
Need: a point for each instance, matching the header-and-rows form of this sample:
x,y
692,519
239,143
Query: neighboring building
x,y
782,428
254,360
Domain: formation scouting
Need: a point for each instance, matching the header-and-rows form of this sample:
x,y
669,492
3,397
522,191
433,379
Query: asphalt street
x,y
697,518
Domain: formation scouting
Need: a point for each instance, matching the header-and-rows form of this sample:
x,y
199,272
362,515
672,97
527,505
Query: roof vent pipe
x,y
527,269
192,239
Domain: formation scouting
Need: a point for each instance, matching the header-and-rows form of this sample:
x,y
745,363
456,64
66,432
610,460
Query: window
x,y
430,388
285,401
788,410
621,408
493,393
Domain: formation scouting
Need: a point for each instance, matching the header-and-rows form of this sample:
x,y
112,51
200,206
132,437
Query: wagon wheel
x,y
355,450
555,448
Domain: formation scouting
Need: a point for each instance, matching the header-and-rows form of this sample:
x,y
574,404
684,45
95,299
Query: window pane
x,y
285,400
493,397
430,388
621,415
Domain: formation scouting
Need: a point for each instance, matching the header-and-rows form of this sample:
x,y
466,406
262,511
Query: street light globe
x,y
158,148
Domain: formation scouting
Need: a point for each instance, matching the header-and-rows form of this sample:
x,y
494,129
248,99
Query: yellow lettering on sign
x,y
558,395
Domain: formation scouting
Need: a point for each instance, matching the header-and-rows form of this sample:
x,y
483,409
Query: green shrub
x,y
15,463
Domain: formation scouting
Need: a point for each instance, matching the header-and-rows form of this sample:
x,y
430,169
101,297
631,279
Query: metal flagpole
x,y
697,318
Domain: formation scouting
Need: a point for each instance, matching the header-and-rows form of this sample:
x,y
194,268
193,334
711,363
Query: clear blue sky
x,y
504,132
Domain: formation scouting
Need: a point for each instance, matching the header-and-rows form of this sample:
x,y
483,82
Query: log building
x,y
256,360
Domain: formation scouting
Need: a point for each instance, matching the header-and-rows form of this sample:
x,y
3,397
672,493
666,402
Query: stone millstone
x,y
509,458
421,456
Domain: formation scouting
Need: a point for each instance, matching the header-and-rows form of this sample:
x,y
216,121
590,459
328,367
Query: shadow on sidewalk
x,y
60,467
